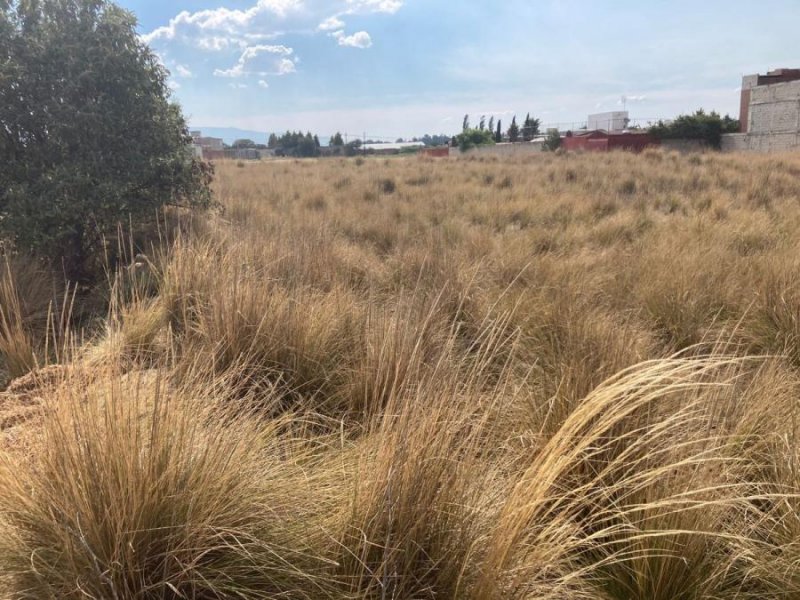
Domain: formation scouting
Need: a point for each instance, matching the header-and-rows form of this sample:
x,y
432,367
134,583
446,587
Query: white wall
x,y
609,121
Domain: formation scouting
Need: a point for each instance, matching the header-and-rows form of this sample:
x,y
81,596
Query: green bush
x,y
707,127
552,142
88,134
471,138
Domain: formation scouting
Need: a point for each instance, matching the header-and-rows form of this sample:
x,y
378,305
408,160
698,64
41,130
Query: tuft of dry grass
x,y
563,376
135,493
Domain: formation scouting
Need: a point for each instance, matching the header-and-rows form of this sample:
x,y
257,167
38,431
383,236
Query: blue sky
x,y
394,68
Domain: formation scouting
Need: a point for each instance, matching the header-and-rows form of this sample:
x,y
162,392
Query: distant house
x,y
604,141
242,153
615,122
210,148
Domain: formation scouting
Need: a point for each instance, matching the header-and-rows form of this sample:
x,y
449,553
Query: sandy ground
x,y
21,407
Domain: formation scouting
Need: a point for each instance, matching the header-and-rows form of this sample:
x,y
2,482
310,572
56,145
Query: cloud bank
x,y
240,36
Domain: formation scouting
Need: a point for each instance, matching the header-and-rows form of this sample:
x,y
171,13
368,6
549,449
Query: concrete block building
x,y
613,122
769,113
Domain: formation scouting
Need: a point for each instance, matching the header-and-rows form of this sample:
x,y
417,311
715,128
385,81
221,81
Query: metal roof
x,y
393,146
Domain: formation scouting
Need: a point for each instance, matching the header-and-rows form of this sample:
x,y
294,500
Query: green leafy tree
x,y
336,140
465,123
707,127
273,141
513,131
498,136
435,140
530,129
352,148
482,123
306,146
474,137
244,144
490,126
88,135
553,141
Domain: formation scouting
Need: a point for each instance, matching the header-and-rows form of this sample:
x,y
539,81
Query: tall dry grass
x,y
556,377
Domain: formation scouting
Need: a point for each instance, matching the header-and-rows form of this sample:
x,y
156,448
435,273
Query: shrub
x,y
86,151
387,186
138,494
552,142
707,127
471,138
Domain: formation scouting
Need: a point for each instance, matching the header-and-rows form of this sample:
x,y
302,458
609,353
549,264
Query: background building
x,y
769,114
609,121
209,147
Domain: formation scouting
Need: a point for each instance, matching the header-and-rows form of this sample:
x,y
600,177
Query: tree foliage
x,y
474,137
434,140
707,127
88,134
552,142
530,129
513,131
297,143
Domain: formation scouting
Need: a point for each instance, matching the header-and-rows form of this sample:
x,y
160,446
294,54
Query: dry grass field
x,y
559,377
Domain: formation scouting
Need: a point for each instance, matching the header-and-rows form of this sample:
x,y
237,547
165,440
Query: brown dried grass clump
x,y
550,377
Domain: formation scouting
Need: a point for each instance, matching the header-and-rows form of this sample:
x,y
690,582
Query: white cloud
x,y
221,19
216,43
238,86
182,71
384,6
262,84
360,39
224,28
252,54
286,66
331,23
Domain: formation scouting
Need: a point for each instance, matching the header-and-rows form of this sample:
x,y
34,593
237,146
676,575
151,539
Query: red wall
x,y
634,142
602,142
744,111
438,152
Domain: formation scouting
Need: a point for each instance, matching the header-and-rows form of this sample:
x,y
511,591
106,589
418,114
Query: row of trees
x,y
473,136
703,126
707,127
295,143
307,145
